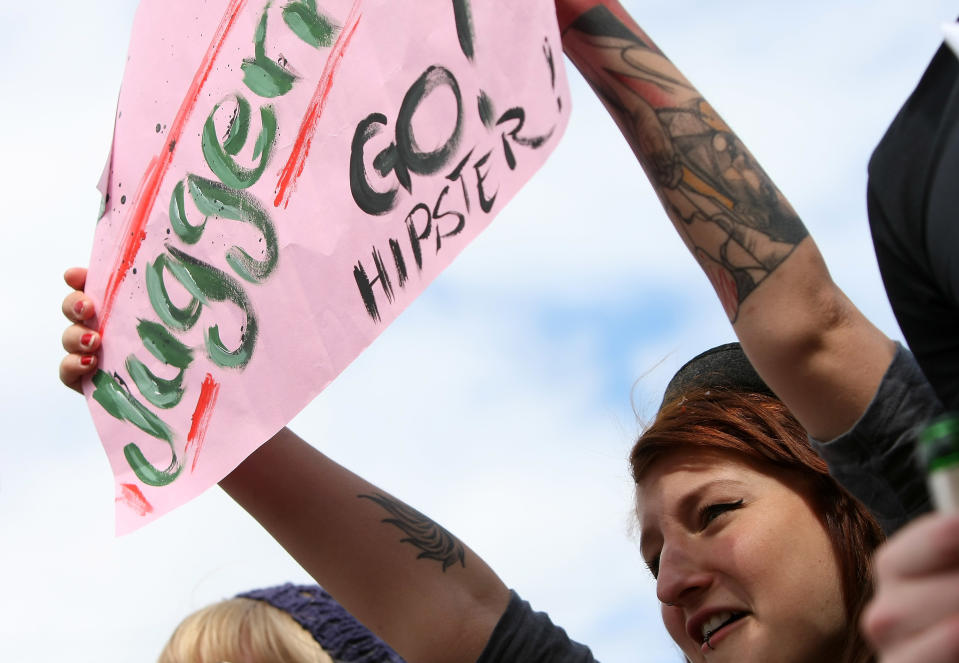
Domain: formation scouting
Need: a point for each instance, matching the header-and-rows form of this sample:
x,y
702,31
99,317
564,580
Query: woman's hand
x,y
915,613
80,342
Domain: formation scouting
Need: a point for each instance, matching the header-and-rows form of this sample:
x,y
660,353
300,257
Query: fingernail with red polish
x,y
86,361
86,340
78,308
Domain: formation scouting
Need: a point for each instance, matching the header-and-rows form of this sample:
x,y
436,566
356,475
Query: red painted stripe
x,y
301,148
131,496
153,177
209,392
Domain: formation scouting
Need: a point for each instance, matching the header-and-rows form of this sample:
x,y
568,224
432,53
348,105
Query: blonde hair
x,y
241,631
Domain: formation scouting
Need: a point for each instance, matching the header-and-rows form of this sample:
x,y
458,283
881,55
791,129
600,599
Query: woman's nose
x,y
681,577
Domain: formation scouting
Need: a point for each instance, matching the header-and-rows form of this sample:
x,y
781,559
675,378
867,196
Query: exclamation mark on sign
x,y
463,15
464,26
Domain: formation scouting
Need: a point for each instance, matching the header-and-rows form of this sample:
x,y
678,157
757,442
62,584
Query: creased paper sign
x,y
285,179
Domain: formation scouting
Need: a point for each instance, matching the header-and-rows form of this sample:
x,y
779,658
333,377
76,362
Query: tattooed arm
x,y
808,341
402,575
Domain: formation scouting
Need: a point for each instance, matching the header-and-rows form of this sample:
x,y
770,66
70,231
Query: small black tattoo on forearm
x,y
433,541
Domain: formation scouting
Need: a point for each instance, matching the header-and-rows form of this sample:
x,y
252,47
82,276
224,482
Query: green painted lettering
x,y
158,391
120,403
181,319
308,24
218,286
261,74
181,226
220,157
163,345
215,199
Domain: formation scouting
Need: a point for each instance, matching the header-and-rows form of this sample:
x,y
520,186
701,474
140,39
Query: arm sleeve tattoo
x,y
732,217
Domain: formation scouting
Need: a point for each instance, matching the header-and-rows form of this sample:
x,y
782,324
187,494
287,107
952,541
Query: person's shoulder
x,y
874,460
523,635
904,393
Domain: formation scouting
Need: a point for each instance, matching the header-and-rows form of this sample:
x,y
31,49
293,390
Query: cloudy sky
x,y
536,354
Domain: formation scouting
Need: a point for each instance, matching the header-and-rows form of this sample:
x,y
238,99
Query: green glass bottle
x,y
939,455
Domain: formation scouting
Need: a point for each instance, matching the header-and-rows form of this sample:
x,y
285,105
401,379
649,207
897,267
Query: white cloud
x,y
501,429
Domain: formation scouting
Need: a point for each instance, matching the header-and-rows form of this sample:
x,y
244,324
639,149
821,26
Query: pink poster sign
x,y
285,179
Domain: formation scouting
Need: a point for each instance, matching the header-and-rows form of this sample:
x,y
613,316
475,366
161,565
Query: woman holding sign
x,y
759,554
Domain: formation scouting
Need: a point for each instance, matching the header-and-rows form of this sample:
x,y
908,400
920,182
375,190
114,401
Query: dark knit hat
x,y
338,632
722,367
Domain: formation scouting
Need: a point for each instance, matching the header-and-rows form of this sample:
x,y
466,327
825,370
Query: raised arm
x,y
406,578
820,355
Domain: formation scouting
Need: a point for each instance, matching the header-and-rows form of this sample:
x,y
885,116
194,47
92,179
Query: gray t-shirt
x,y
524,636
875,459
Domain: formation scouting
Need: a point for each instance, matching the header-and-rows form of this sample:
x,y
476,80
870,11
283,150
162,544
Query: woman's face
x,y
740,556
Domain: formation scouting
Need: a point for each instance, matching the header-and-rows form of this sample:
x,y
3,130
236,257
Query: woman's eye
x,y
712,511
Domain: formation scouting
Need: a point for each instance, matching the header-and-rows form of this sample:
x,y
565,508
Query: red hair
x,y
761,429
